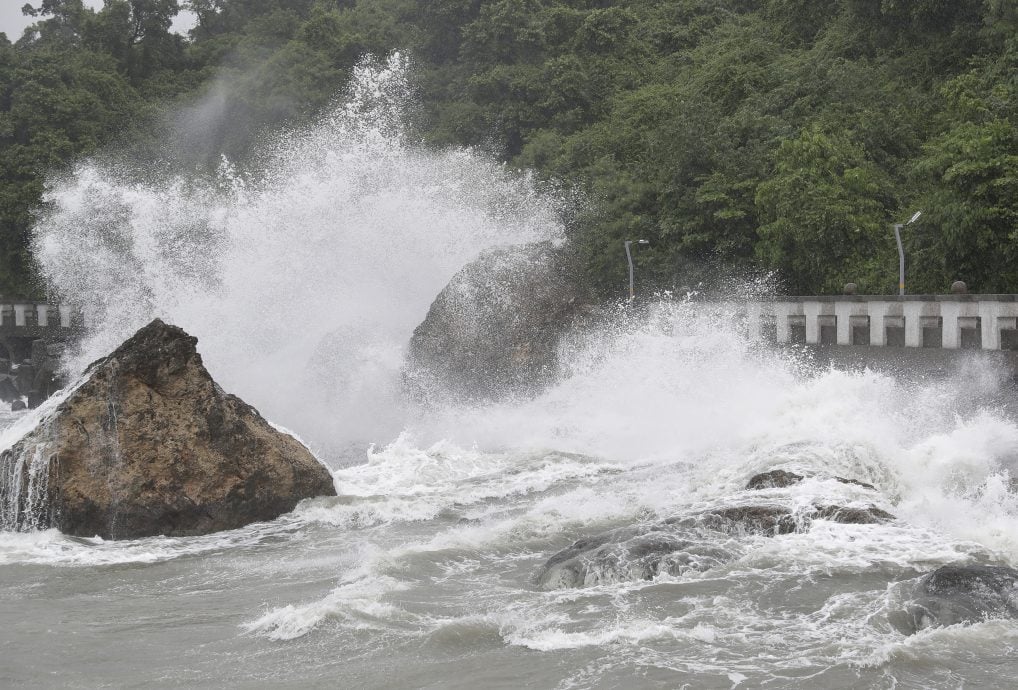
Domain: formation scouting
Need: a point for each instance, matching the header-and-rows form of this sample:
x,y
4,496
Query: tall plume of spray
x,y
303,277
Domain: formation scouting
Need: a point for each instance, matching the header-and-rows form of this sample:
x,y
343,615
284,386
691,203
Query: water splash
x,y
692,409
24,488
302,274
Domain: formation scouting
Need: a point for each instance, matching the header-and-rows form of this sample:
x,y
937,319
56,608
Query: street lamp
x,y
629,258
901,252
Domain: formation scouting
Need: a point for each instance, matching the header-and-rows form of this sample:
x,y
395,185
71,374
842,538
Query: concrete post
x,y
913,325
988,314
754,329
877,312
812,312
843,313
950,312
781,311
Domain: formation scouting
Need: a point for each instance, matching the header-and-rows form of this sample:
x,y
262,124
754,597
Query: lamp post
x,y
901,252
629,258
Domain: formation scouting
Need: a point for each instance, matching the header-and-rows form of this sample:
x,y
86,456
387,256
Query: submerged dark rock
x,y
694,542
764,520
149,444
856,482
960,594
494,330
781,479
869,515
775,479
770,520
628,554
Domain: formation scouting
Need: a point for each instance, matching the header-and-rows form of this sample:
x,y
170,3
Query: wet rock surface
x,y
775,479
628,554
694,542
955,594
149,445
856,482
494,330
766,520
848,515
781,479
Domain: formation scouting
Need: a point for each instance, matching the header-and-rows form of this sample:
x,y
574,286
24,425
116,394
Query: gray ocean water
x,y
303,280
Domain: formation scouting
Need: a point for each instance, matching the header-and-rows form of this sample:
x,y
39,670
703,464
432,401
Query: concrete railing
x,y
28,318
988,322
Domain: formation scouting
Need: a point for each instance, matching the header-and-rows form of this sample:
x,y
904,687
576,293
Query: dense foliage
x,y
784,135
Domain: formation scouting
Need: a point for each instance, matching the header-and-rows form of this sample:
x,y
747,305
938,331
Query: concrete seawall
x,y
913,363
950,322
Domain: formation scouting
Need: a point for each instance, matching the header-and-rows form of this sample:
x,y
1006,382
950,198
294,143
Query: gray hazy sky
x,y
12,22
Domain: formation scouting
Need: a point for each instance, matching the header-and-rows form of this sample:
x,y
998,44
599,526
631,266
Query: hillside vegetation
x,y
735,135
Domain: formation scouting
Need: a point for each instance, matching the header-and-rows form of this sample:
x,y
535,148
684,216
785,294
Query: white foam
x,y
402,482
355,602
631,632
50,547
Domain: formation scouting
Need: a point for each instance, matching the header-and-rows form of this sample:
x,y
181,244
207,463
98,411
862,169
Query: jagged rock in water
x,y
770,520
870,515
686,543
780,479
856,482
766,520
629,555
775,479
149,444
960,594
494,330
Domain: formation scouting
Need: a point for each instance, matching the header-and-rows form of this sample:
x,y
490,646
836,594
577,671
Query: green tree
x,y
970,172
824,211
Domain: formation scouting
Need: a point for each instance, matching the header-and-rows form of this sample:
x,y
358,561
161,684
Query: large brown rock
x,y
149,444
493,332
